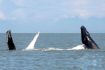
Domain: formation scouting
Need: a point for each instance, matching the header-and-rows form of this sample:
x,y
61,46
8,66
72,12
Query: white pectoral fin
x,y
32,43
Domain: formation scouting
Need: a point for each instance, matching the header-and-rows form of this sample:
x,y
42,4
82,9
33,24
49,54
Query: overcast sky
x,y
54,16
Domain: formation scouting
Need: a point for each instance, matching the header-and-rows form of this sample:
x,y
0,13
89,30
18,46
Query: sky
x,y
52,16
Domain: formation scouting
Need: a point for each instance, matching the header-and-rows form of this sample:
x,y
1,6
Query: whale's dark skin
x,y
87,40
10,42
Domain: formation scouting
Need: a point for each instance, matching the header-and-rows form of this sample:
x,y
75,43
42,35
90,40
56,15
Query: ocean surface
x,y
53,52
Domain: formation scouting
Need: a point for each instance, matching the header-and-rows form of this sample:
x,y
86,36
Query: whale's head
x,y
86,39
8,33
10,42
84,34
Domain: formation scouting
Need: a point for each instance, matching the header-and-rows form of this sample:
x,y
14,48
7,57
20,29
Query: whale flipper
x,y
32,43
10,42
87,40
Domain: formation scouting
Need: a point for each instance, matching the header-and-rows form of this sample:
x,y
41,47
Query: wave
x,y
48,49
78,47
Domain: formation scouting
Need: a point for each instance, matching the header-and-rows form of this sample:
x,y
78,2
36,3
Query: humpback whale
x,y
10,42
32,43
87,40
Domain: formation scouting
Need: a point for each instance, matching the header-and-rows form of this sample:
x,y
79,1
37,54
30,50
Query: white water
x,y
31,46
78,47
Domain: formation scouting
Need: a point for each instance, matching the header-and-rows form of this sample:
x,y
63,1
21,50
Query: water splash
x,y
78,47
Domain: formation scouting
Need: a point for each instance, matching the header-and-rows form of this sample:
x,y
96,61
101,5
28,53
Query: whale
x,y
10,43
87,39
31,45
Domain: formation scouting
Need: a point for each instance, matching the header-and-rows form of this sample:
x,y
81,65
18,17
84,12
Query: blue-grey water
x,y
52,59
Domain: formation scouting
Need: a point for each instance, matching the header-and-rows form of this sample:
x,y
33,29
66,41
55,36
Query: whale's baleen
x,y
87,40
10,42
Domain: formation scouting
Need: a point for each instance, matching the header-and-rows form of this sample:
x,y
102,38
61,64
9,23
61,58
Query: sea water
x,y
52,53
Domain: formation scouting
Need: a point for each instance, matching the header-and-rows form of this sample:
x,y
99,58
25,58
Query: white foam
x,y
51,49
79,47
32,43
47,49
31,47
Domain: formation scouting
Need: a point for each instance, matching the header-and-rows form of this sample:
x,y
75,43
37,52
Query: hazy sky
x,y
54,16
